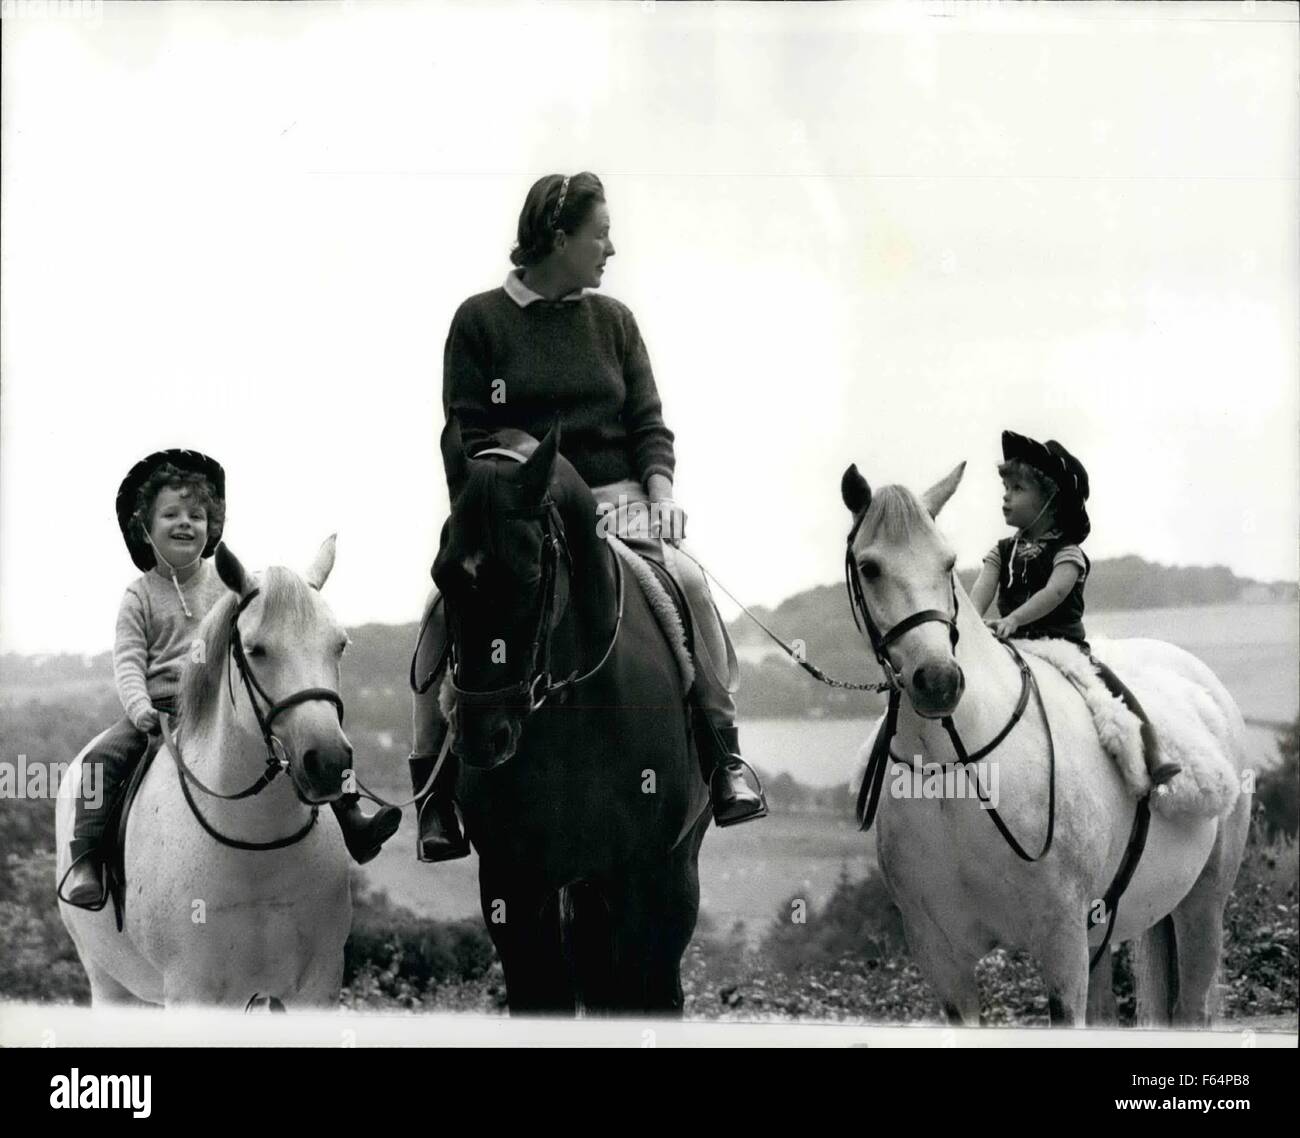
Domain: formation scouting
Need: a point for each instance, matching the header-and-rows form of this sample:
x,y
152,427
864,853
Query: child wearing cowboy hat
x,y
1038,574
171,510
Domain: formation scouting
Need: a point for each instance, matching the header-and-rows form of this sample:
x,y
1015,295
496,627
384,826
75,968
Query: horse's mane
x,y
285,597
895,514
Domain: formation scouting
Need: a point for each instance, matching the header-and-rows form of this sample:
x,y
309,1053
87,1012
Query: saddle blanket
x,y
1190,725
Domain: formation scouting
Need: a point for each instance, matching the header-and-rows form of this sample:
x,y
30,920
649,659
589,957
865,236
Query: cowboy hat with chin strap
x,y
1066,473
189,460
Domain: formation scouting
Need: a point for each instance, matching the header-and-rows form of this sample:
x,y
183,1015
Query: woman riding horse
x,y
542,349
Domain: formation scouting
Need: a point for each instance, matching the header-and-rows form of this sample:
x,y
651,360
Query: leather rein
x,y
538,684
266,710
881,756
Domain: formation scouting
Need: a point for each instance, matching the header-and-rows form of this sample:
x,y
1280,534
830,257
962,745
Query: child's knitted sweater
x,y
155,637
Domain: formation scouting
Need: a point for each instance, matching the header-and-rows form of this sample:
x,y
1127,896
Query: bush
x,y
38,961
395,956
1277,793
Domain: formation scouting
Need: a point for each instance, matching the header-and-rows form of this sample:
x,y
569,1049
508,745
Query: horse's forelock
x,y
895,515
286,599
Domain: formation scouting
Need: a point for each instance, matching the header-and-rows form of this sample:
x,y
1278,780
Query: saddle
x,y
1180,713
112,849
668,603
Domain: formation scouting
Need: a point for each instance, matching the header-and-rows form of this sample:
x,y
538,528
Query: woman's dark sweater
x,y
581,360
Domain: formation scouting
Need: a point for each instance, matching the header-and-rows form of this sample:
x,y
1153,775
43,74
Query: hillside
x,y
376,664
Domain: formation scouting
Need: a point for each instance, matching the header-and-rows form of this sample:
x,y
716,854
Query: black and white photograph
x,y
650,524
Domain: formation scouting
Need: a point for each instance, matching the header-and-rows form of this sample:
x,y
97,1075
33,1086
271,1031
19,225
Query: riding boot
x,y
116,755
1159,769
439,834
724,770
365,835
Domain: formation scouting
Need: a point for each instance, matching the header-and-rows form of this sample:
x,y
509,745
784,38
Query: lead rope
x,y
794,655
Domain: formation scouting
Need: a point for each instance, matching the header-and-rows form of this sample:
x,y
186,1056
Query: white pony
x,y
961,888
208,922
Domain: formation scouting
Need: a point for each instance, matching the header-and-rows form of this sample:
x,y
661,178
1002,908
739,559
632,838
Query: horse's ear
x,y
535,476
454,459
319,570
855,491
938,494
230,570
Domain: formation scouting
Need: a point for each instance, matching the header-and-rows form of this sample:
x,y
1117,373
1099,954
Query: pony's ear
x,y
535,476
855,491
319,570
938,494
454,459
231,571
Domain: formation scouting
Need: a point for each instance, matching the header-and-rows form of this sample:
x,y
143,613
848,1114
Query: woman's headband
x,y
559,205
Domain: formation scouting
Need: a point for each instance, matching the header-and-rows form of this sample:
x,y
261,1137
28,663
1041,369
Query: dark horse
x,y
579,784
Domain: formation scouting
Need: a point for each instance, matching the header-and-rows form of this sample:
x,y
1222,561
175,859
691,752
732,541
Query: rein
x,y
266,710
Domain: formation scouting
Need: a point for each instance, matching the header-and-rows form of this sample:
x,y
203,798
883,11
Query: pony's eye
x,y
869,568
256,651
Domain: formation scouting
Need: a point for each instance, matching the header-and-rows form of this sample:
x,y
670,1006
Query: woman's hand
x,y
667,518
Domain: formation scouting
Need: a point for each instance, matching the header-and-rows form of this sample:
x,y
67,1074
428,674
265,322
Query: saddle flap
x,y
113,850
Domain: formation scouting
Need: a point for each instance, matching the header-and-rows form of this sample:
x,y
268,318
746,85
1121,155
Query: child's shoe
x,y
83,884
365,835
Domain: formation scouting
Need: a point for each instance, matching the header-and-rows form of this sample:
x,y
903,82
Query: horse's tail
x,y
585,943
1155,973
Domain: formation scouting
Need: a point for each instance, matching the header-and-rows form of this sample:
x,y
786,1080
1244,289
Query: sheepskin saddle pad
x,y
661,604
1194,728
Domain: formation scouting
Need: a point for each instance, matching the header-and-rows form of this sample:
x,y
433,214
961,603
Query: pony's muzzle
x,y
484,740
322,766
936,688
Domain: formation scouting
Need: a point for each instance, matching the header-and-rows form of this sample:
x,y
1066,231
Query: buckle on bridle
x,y
277,756
534,699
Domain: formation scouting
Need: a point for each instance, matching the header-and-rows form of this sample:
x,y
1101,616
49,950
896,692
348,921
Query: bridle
x,y
864,622
266,710
873,779
538,684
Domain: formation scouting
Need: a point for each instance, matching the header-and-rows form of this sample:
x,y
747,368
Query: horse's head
x,y
284,647
504,571
899,571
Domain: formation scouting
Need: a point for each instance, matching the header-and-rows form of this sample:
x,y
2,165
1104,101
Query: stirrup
x,y
90,906
736,768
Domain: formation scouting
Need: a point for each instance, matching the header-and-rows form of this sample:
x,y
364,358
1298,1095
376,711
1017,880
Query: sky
x,y
867,233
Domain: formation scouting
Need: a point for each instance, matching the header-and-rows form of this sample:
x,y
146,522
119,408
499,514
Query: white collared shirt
x,y
523,296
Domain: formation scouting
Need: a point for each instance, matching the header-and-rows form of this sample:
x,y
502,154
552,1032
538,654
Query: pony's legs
x,y
1198,922
654,920
949,971
1102,1008
1155,974
1064,960
106,991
